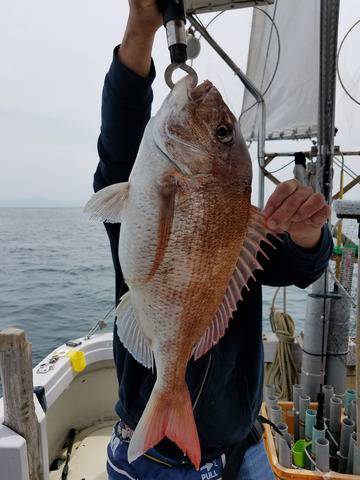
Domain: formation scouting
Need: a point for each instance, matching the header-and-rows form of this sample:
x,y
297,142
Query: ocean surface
x,y
57,280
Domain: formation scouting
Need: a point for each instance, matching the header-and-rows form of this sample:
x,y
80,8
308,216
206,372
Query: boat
x,y
71,420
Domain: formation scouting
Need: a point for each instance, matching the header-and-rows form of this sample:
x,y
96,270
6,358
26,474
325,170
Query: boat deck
x,y
88,457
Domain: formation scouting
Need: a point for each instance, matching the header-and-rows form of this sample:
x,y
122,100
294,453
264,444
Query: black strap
x,y
235,457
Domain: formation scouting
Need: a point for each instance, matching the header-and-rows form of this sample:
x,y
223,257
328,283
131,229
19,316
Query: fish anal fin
x,y
108,203
246,264
131,334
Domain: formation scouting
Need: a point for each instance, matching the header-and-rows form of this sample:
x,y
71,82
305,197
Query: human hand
x,y
145,15
299,211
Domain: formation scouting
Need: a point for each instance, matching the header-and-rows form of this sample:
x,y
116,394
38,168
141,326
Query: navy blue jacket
x,y
226,383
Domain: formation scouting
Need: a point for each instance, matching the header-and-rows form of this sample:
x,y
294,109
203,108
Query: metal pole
x,y
254,92
314,359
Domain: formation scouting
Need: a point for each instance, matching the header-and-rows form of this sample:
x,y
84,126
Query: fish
x,y
188,246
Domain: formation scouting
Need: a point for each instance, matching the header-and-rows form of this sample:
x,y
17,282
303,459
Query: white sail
x,y
291,100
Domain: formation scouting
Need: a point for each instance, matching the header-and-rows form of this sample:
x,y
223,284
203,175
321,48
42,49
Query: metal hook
x,y
183,66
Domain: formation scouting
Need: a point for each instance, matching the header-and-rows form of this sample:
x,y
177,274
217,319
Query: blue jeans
x,y
254,467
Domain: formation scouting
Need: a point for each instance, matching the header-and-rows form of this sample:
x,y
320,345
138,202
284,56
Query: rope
x,y
282,372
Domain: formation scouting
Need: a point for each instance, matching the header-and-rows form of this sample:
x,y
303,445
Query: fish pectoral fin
x,y
244,270
107,204
131,334
168,187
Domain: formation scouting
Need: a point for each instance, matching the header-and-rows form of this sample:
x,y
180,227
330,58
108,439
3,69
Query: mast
x,y
317,315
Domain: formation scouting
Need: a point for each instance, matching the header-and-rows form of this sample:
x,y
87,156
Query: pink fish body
x,y
188,244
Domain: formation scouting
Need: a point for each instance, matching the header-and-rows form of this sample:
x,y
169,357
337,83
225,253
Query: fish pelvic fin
x,y
246,264
107,204
167,415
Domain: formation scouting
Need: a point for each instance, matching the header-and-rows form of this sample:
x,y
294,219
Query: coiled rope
x,y
282,372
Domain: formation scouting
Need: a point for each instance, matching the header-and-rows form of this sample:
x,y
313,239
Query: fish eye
x,y
224,133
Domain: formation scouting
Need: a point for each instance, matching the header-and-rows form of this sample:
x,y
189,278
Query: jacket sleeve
x,y
126,109
290,264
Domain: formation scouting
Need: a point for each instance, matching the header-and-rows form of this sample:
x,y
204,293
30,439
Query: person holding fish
x,y
190,257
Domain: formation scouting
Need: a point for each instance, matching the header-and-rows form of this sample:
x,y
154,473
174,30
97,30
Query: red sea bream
x,y
188,244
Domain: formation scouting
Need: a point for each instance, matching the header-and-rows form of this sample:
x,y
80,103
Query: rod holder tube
x,y
285,458
350,395
356,459
269,390
335,414
270,401
316,434
310,420
350,462
297,391
348,426
328,391
275,414
315,337
283,429
353,410
304,405
322,454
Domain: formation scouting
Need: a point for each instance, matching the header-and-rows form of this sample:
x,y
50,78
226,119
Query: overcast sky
x,y
54,55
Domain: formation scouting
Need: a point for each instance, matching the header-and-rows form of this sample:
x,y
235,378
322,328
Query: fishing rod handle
x,y
174,21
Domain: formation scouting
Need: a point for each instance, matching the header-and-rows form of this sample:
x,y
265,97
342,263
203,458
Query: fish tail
x,y
167,415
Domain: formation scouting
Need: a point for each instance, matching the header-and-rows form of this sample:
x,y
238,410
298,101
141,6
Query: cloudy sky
x,y
54,55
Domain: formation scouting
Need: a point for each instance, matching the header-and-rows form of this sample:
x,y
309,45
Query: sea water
x,y
57,279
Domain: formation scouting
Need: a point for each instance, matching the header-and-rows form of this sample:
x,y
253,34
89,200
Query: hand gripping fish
x,y
188,245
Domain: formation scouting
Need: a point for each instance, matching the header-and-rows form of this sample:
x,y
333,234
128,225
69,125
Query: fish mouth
x,y
199,93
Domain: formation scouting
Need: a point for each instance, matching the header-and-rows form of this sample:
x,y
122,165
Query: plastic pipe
x,y
269,390
356,459
353,410
271,400
312,368
316,434
328,392
350,462
338,341
335,414
275,414
283,429
310,420
285,459
350,395
297,391
322,454
348,426
304,405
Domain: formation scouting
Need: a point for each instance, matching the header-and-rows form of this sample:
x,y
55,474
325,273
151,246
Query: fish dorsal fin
x,y
107,204
245,266
130,333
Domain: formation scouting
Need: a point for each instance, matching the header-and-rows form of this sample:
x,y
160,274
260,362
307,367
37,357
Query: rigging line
x,y
337,63
347,170
277,61
346,166
268,45
342,288
281,168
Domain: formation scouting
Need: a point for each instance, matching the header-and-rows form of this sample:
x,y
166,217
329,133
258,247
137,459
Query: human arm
x,y
306,246
127,96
